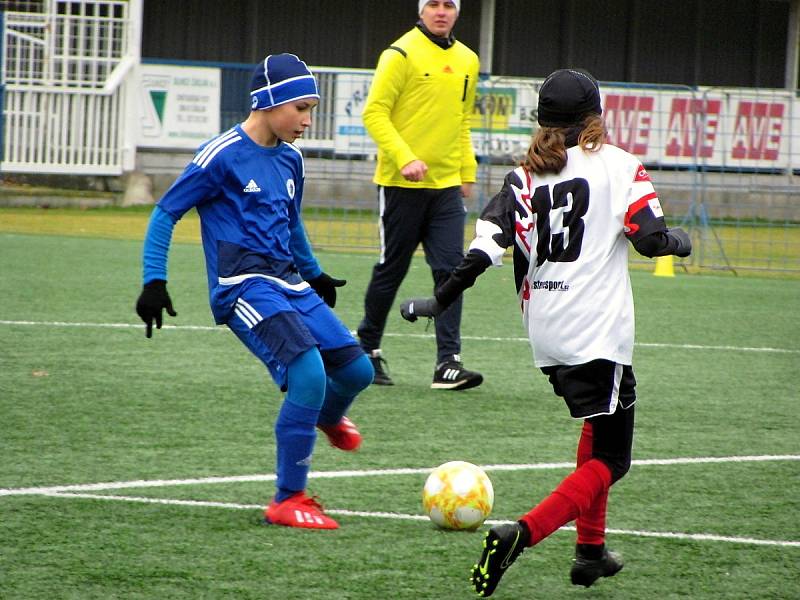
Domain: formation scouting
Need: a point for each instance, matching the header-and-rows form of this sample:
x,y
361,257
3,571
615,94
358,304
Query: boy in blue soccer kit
x,y
264,282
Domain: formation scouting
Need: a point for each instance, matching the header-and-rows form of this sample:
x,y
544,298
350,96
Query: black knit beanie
x,y
566,97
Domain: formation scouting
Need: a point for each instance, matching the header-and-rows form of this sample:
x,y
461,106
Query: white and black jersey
x,y
569,234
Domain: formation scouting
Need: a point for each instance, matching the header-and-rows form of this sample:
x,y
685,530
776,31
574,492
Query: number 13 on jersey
x,y
561,241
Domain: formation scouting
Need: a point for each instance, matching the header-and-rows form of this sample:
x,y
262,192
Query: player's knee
x,y
354,376
363,373
307,380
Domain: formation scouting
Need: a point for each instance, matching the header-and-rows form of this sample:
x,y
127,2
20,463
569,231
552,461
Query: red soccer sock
x,y
591,523
573,496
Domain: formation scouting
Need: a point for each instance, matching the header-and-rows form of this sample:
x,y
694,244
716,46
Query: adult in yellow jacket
x,y
418,112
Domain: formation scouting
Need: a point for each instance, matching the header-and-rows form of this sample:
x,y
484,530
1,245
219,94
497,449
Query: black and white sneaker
x,y
378,363
592,563
451,375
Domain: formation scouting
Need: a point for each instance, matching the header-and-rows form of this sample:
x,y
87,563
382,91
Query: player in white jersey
x,y
264,282
569,212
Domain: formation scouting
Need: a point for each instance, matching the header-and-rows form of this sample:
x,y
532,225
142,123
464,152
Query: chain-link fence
x,y
724,161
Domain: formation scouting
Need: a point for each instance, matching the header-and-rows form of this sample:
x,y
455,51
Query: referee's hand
x,y
414,171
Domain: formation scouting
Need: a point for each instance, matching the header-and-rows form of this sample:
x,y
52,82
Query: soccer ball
x,y
458,495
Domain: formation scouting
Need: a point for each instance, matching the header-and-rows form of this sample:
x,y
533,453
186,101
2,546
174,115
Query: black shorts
x,y
594,388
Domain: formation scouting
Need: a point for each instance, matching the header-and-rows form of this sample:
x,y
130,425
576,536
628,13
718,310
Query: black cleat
x,y
585,571
378,363
501,547
451,375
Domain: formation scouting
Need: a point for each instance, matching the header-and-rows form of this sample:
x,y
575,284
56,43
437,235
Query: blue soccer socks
x,y
295,434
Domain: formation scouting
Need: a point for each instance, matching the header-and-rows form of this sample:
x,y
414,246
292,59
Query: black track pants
x,y
434,218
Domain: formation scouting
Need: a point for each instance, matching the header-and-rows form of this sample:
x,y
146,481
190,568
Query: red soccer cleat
x,y
343,435
299,511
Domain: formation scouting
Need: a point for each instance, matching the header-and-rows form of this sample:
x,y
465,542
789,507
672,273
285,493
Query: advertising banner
x,y
725,129
179,106
739,128
503,119
350,136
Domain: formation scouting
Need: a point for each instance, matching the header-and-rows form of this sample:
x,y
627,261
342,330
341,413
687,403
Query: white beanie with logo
x,y
422,4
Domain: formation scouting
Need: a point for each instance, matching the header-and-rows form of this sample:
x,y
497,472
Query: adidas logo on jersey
x,y
251,186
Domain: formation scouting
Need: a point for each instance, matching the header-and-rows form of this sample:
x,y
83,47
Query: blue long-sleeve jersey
x,y
248,198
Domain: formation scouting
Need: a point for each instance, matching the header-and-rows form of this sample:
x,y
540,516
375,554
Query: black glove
x,y
420,307
683,241
152,300
325,286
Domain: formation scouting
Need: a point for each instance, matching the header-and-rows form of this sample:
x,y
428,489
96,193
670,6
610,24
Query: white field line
x,y
700,537
152,483
82,491
78,490
179,328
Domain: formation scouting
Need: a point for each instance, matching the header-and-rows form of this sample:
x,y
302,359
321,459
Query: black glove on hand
x,y
684,242
152,300
325,286
420,307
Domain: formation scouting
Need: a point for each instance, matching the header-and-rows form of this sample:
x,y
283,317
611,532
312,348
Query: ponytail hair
x,y
548,150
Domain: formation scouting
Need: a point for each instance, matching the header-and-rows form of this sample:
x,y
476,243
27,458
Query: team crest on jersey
x,y
290,188
641,174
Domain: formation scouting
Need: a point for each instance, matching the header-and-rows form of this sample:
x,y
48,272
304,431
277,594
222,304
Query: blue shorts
x,y
278,324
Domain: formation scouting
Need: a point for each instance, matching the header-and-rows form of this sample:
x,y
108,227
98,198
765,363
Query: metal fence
x,y
724,161
64,65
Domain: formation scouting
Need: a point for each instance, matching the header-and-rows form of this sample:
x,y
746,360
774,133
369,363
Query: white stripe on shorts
x,y
247,313
612,405
244,317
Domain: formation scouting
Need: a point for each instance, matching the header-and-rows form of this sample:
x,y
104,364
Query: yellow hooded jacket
x,y
419,107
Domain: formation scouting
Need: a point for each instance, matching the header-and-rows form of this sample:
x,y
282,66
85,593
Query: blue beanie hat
x,y
281,78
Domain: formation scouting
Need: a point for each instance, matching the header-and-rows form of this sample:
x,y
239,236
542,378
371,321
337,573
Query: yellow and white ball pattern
x,y
458,495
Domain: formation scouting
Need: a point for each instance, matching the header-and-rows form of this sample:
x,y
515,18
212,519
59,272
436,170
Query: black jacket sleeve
x,y
463,277
663,243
